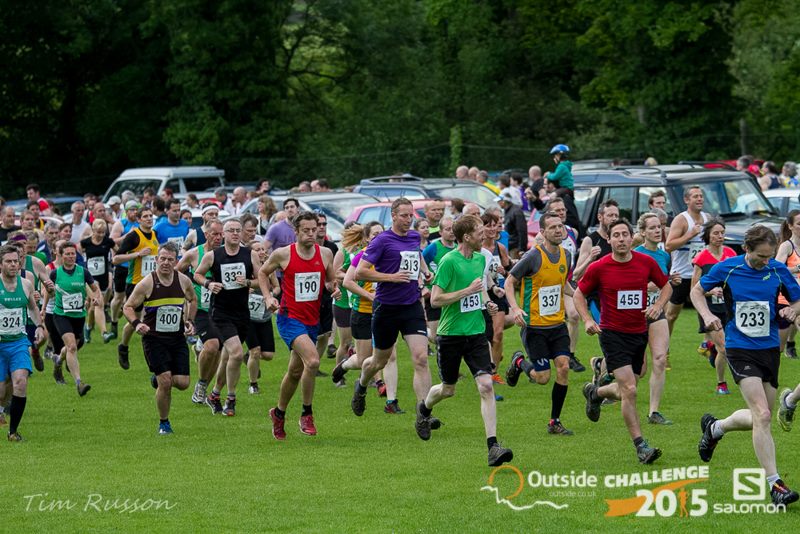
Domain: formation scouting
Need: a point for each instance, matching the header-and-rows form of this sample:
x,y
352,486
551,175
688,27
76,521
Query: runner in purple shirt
x,y
399,271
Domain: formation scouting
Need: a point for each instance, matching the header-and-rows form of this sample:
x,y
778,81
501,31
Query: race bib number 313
x,y
409,261
629,300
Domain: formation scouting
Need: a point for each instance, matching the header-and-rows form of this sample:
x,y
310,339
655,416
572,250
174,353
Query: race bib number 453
x,y
471,303
630,300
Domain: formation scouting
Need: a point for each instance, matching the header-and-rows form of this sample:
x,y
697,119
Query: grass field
x,y
368,474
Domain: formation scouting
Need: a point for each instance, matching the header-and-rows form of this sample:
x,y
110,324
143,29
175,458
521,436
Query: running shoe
x,y
83,389
321,373
707,442
87,334
338,372
191,340
514,370
791,351
230,408
38,362
596,363
657,418
3,421
307,425
114,329
592,406
154,381
254,390
647,454
380,385
498,398
277,425
785,414
497,379
214,403
556,428
430,351
58,372
422,424
722,389
199,395
781,494
122,356
332,351
108,336
498,455
15,437
575,364
341,383
359,400
704,349
393,408
48,353
164,428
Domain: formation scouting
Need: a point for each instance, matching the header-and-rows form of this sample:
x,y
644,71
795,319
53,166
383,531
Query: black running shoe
x,y
359,400
592,406
514,370
214,403
422,424
791,352
707,442
122,357
647,454
498,455
332,351
556,428
575,365
154,381
83,389
781,494
38,362
338,372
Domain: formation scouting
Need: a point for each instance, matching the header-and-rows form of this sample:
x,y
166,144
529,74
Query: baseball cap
x,y
505,195
132,205
114,200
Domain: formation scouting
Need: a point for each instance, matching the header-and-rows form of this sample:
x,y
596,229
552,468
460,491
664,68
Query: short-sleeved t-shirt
x,y
662,257
281,234
705,260
463,317
750,298
168,232
622,287
390,253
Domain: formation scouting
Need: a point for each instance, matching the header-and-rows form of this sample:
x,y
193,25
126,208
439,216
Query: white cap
x,y
114,200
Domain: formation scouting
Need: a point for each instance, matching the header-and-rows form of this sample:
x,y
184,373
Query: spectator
x,y
147,197
79,224
434,211
650,162
657,200
456,208
7,224
320,186
743,163
88,200
423,227
483,178
504,183
473,173
127,196
34,194
788,175
263,186
186,215
237,201
282,234
471,209
33,207
167,194
221,196
535,179
114,209
266,209
513,223
462,172
191,201
304,187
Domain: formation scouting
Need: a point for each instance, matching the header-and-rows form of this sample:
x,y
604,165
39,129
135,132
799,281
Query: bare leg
x,y
303,365
659,343
390,376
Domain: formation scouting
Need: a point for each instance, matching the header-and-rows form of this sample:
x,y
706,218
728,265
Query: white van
x,y
181,180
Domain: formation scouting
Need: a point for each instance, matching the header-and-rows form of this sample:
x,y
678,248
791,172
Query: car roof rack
x,y
704,163
404,177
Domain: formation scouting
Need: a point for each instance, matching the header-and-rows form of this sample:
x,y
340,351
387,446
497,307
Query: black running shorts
x,y
261,335
763,364
431,313
164,354
52,331
389,320
70,325
204,328
680,293
545,344
120,278
230,326
474,350
361,325
621,349
342,316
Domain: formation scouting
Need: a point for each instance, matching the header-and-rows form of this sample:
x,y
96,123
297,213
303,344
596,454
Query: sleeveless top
x,y
233,297
203,295
301,286
540,293
141,267
682,257
163,309
13,312
70,292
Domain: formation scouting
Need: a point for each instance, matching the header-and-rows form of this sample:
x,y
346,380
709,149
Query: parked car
x,y
784,200
59,204
181,180
732,195
382,211
414,187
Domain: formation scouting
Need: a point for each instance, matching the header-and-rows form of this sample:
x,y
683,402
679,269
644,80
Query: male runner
x,y
119,231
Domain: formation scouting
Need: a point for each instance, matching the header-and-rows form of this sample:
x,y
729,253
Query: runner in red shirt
x,y
621,279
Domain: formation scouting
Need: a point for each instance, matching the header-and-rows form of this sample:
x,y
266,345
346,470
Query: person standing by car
x,y
514,223
564,184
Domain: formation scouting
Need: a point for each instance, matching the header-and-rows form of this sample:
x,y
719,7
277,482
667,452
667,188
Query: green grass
x,y
359,474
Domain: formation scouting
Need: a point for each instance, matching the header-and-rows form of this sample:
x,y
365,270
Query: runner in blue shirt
x,y
751,284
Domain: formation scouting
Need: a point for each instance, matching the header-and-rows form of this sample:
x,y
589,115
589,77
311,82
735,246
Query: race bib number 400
x,y
306,287
409,261
11,322
752,318
471,303
229,272
549,300
168,318
630,300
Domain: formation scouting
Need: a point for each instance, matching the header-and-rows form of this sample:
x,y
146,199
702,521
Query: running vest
x,y
359,304
682,257
173,233
141,267
540,293
344,299
301,287
441,250
13,312
202,294
602,242
127,226
70,292
163,309
97,256
791,262
233,297
570,244
494,265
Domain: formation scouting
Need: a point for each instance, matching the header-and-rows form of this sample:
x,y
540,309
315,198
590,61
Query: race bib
x,y
549,300
752,318
229,272
717,300
177,240
96,265
257,306
629,300
205,298
471,303
168,318
409,261
11,322
306,287
494,267
695,249
72,302
148,265
652,297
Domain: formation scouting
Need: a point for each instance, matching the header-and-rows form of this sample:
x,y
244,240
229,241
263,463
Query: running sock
x,y
306,410
790,344
203,383
15,412
424,410
638,441
215,392
716,430
526,366
164,421
790,405
280,414
557,397
254,384
772,479
231,396
491,441
360,389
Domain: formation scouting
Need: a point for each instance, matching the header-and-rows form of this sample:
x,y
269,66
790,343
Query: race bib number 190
x,y
629,300
306,286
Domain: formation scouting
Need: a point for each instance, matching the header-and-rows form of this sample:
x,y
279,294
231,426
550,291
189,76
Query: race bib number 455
x,y
630,300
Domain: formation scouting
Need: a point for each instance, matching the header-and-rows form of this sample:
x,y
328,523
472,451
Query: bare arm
x,y
338,262
352,286
188,261
439,298
202,269
679,234
140,292
330,273
584,258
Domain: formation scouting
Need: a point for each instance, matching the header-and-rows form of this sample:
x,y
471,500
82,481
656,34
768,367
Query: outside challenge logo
x,y
677,491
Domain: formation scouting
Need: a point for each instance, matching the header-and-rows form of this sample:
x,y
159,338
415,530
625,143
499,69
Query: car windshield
x,y
731,197
137,186
338,208
482,196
